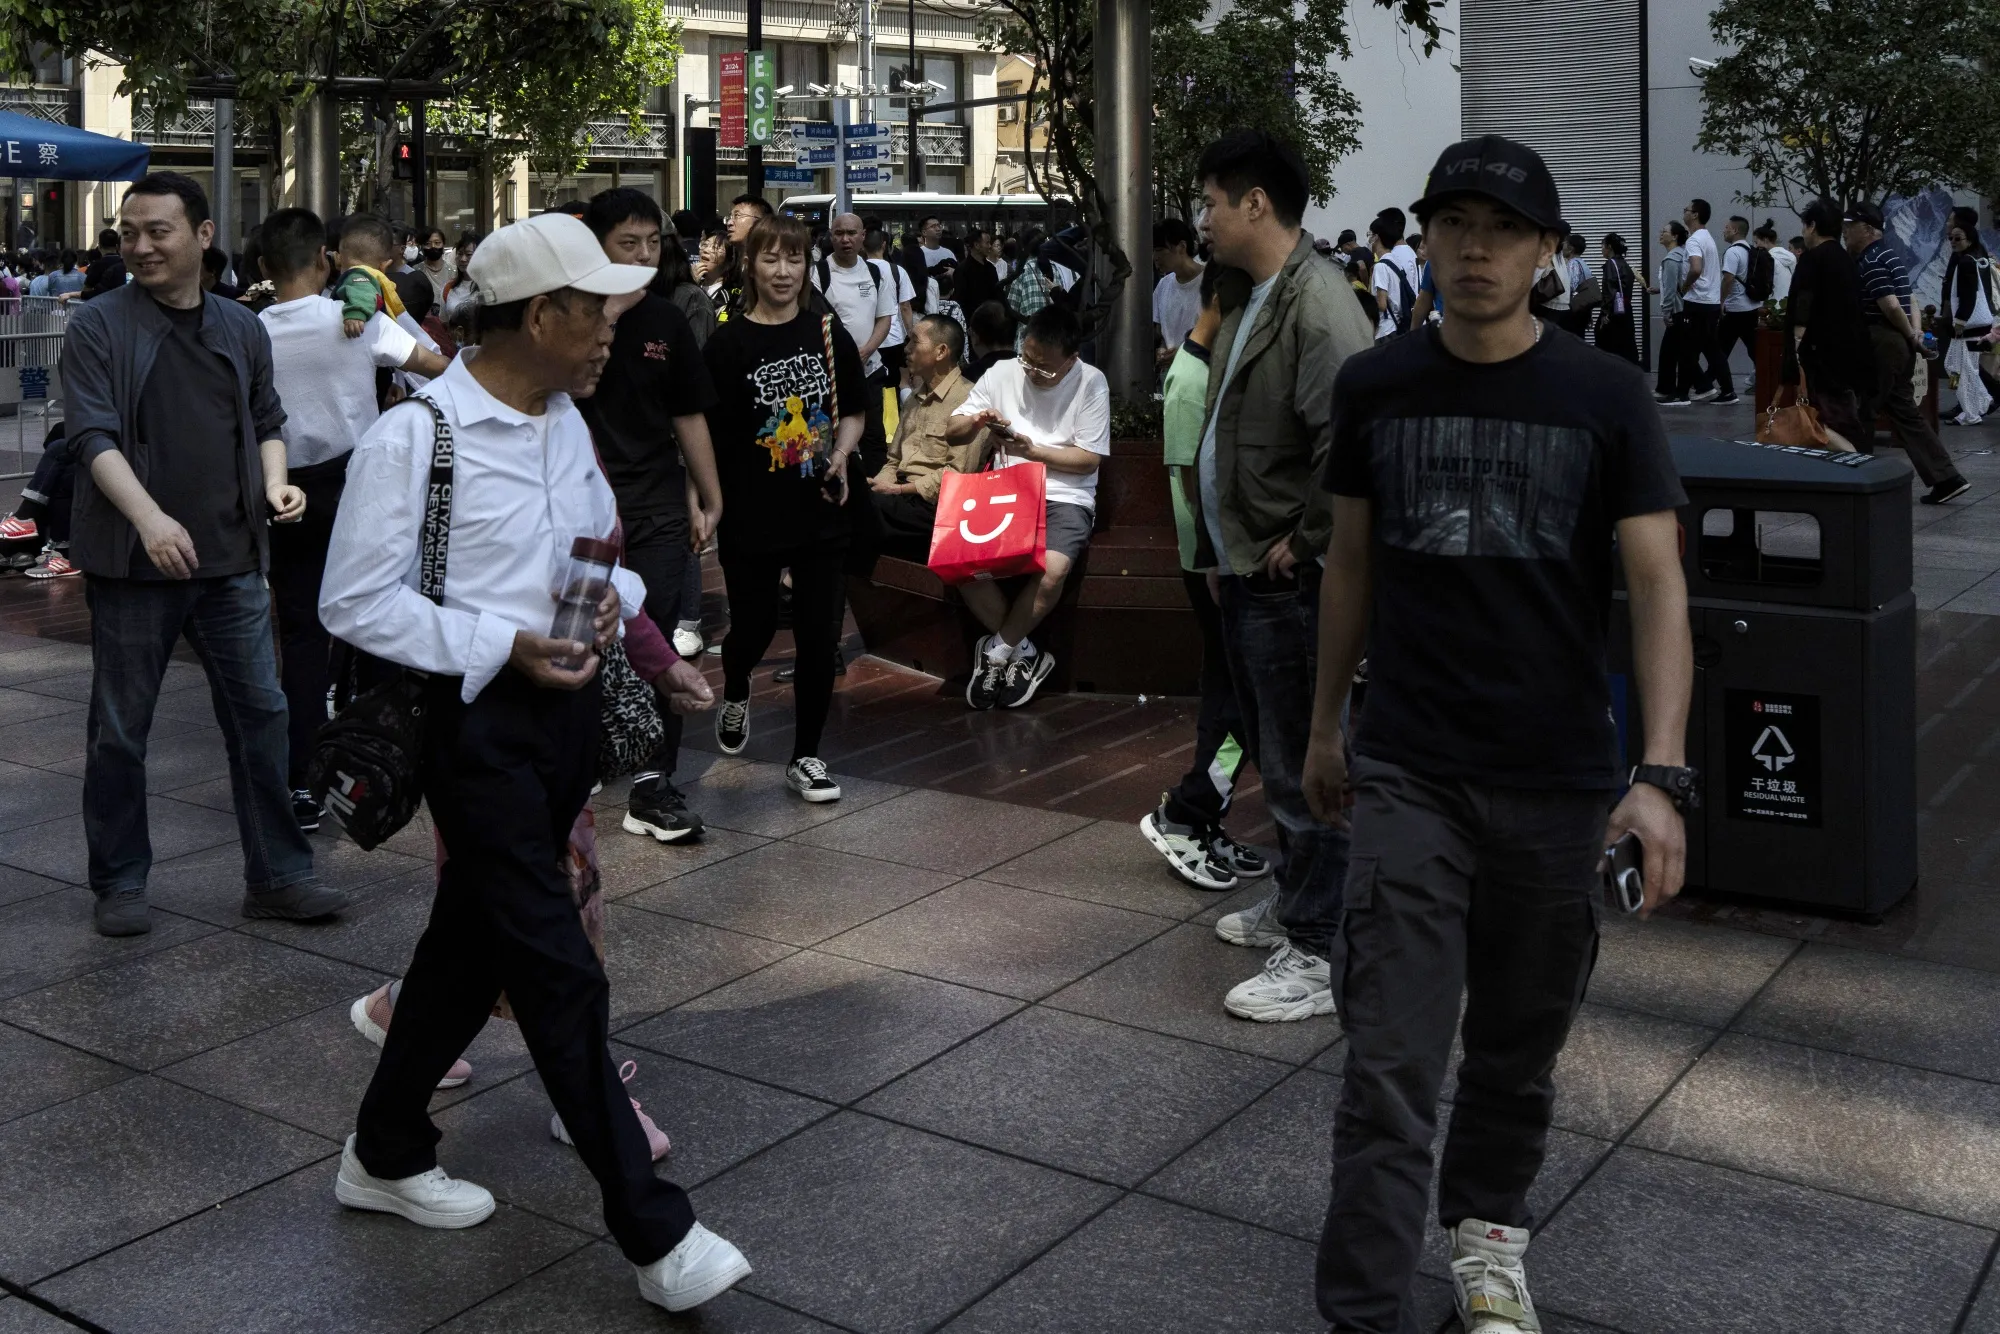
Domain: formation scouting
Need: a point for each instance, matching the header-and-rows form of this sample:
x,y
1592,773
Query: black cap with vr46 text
x,y
1498,169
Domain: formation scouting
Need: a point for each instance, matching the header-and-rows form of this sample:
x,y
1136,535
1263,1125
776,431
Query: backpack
x,y
1760,273
815,300
1399,312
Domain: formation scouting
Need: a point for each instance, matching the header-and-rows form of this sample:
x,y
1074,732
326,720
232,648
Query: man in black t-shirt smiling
x,y
1480,470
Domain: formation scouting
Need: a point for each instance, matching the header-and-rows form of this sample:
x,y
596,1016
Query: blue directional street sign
x,y
867,129
787,176
867,175
816,129
817,156
868,152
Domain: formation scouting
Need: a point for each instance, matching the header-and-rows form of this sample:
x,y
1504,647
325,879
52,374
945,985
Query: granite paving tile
x,y
30,796
628,863
784,891
90,1174
752,798
1175,983
155,1010
592,1291
209,885
18,706
1099,1099
1149,1265
1015,941
501,1138
1892,1009
1750,1255
377,930
46,659
50,937
16,885
36,1073
1884,1132
826,1027
943,831
1984,1318
1108,862
879,1227
195,755
23,1317
655,962
337,1269
1616,1064
1683,970
56,848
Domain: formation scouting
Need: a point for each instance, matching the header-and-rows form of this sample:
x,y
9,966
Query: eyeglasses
x,y
745,215
1041,373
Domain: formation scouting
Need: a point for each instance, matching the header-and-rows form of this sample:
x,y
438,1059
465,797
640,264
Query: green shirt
x,y
1186,397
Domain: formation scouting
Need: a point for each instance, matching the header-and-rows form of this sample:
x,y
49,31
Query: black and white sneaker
x,y
1724,401
1944,491
983,690
659,810
1704,395
732,726
1185,852
306,811
1024,676
808,777
1241,858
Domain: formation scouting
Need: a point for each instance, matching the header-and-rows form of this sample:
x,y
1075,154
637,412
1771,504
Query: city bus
x,y
958,212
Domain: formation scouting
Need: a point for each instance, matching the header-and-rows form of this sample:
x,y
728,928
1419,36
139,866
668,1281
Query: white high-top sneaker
x,y
429,1199
1488,1281
701,1267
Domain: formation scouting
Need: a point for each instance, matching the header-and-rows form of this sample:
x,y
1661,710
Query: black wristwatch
x,y
1682,785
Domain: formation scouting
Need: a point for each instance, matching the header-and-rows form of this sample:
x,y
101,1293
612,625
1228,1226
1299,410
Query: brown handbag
x,y
1791,420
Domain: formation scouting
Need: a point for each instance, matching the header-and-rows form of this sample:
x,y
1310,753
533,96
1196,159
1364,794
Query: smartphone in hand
x,y
1624,884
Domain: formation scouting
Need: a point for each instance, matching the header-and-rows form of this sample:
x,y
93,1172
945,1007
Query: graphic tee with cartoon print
x,y
780,392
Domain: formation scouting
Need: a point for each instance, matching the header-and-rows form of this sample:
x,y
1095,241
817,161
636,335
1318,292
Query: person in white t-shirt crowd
x,y
1704,370
931,238
1045,406
1740,307
1783,261
896,346
1177,295
327,384
1395,275
864,294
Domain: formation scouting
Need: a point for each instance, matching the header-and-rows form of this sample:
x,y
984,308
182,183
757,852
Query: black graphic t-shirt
x,y
1494,490
773,428
655,374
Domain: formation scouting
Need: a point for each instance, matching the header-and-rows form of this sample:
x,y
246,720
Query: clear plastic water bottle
x,y
578,593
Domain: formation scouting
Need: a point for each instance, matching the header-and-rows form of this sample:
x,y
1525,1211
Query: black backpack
x,y
1401,313
1759,273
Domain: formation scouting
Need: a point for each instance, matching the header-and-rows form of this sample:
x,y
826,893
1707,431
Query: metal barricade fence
x,y
31,339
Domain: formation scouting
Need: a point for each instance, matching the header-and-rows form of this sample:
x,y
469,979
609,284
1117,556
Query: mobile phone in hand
x,y
833,483
1624,882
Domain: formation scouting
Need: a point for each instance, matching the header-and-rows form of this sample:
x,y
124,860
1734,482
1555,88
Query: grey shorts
x,y
1069,528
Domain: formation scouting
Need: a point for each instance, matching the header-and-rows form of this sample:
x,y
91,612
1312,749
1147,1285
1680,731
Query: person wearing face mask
x,y
436,265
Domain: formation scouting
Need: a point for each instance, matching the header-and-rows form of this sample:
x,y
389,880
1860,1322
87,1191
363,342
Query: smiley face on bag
x,y
994,513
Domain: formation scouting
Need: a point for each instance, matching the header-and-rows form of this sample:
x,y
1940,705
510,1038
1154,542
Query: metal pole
x,y
222,207
1125,174
867,53
843,202
753,155
318,149
420,172
916,172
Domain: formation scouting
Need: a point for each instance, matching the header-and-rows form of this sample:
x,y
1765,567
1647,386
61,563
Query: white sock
x,y
1026,649
998,653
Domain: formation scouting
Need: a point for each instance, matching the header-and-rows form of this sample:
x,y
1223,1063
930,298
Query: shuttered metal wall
x,y
1566,77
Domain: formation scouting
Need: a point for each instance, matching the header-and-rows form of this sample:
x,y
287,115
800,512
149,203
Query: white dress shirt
x,y
523,489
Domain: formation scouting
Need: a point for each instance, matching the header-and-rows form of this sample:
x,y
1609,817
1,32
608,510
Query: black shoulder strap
x,y
825,273
437,506
874,274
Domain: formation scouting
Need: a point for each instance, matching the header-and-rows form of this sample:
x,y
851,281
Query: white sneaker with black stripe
x,y
732,726
808,777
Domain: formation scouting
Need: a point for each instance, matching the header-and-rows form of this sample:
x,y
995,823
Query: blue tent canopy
x,y
30,146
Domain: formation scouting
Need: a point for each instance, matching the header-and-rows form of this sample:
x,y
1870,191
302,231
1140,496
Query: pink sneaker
x,y
656,1138
14,530
371,1015
54,565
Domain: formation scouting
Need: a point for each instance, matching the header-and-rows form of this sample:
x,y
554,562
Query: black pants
x,y
1703,345
1673,341
1737,326
874,447
818,585
1895,398
1202,796
298,563
505,777
906,522
656,549
1616,335
1451,885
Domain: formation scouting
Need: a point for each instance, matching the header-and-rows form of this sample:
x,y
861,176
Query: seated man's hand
x,y
684,687
534,657
882,488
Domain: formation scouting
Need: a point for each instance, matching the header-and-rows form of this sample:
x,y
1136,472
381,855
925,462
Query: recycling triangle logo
x,y
1773,750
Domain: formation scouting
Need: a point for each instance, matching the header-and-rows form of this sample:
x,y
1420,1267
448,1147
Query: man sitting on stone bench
x,y
906,490
1047,407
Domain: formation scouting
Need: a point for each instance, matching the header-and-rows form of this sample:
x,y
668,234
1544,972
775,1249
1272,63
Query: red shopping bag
x,y
990,525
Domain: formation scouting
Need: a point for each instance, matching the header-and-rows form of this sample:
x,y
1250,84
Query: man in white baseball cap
x,y
510,742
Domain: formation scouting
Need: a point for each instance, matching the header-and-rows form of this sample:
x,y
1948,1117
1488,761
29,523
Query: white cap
x,y
545,254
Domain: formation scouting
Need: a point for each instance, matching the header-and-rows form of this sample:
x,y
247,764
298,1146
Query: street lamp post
x,y
1125,173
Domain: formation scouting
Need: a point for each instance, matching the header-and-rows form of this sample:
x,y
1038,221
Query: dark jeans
x,y
1673,340
298,563
1895,398
1703,345
656,549
819,582
1452,885
133,626
906,521
505,777
1202,796
1737,326
49,494
1271,638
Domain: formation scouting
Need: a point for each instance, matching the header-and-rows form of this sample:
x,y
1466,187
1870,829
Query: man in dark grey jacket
x,y
178,440
1263,527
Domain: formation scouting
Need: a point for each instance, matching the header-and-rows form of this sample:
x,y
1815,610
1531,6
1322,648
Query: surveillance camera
x,y
785,91
933,85
1698,67
818,89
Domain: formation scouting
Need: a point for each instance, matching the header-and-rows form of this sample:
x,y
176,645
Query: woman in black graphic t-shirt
x,y
787,420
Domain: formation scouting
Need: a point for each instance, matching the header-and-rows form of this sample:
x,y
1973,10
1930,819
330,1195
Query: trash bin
x,y
1803,718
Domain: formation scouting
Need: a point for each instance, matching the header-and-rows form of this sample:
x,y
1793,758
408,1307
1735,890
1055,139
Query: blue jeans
x,y
133,626
1271,634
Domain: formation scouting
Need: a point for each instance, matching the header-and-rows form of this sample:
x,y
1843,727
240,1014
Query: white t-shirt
x,y
1076,411
859,301
905,291
1736,263
325,379
1707,289
1176,306
937,254
1390,292
1783,261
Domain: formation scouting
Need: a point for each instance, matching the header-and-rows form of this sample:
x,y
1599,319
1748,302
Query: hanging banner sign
x,y
761,97
732,100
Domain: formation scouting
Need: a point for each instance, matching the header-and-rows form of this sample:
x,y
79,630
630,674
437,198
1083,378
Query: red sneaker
x,y
54,565
15,530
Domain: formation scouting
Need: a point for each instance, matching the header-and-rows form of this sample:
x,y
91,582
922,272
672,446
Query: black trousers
x,y
819,583
1737,326
1702,362
906,522
1202,796
505,777
1673,346
1895,398
874,447
298,563
656,549
1451,885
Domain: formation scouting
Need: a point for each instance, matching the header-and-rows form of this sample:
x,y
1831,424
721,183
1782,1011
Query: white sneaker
x,y
1293,985
701,1267
1704,395
687,642
429,1199
1186,850
808,777
1255,926
1488,1281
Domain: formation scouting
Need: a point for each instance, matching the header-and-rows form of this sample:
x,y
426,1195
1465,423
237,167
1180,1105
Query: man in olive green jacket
x,y
1263,523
